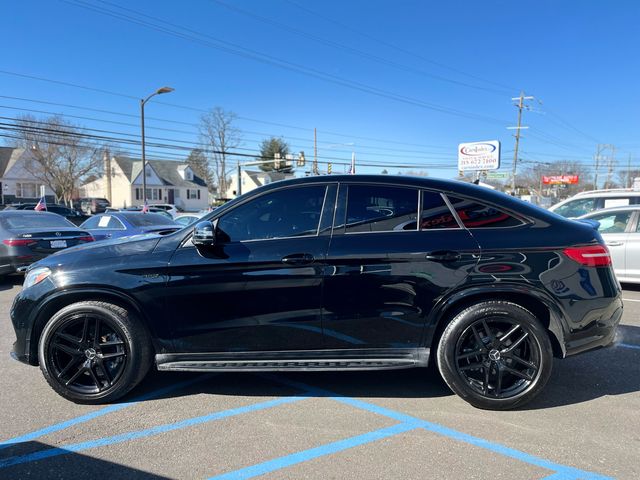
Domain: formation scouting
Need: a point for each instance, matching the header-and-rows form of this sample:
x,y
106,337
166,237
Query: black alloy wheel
x,y
495,355
94,352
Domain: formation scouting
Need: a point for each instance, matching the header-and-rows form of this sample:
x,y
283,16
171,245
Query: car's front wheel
x,y
495,355
94,352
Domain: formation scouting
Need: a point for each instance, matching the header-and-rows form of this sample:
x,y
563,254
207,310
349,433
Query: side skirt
x,y
304,360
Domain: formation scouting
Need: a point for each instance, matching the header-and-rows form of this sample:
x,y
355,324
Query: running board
x,y
289,361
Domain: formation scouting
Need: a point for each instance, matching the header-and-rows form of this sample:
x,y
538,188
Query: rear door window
x,y
377,208
577,207
435,213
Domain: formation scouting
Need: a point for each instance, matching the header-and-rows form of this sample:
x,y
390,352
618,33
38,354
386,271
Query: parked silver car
x,y
620,228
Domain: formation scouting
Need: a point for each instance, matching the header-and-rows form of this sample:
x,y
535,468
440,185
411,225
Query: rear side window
x,y
476,215
435,213
613,222
375,208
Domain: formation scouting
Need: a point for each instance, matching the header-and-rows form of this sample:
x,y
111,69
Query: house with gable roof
x,y
167,181
17,182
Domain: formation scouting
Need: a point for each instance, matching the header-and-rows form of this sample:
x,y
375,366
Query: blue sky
x,y
400,83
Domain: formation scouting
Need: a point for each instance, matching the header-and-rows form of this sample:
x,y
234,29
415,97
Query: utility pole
x,y
315,153
610,166
107,172
520,106
629,184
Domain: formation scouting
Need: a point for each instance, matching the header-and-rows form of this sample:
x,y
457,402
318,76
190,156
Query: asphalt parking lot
x,y
397,424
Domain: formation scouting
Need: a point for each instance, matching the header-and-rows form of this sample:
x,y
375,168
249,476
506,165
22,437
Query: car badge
x,y
58,234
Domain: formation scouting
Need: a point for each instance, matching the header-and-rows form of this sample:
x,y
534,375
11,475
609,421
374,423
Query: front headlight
x,y
35,276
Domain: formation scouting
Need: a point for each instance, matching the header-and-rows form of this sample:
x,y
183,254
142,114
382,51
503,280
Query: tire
x,y
94,352
495,355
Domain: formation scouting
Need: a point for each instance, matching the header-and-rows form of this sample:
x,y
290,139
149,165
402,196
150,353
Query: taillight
x,y
86,239
19,242
592,256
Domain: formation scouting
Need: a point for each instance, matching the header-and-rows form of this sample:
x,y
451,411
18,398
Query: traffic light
x,y
300,161
329,169
277,162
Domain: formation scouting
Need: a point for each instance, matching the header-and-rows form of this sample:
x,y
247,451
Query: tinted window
x,y
91,223
372,208
41,220
290,212
146,219
476,215
435,213
612,222
59,210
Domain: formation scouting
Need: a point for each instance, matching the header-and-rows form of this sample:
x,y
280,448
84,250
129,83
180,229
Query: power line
x,y
346,48
238,50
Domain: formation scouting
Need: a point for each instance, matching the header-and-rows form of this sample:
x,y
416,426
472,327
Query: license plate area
x,y
58,244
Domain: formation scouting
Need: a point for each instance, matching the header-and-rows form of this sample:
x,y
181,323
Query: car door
x,y
385,270
614,228
260,287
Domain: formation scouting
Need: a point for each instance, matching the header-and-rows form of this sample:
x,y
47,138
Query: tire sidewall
x,y
450,337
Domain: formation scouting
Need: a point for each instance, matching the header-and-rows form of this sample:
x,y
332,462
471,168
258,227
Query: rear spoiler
x,y
587,221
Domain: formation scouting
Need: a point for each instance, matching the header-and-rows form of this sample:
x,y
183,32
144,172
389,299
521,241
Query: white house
x,y
254,179
167,182
17,182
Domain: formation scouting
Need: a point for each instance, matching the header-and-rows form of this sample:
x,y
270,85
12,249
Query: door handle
x,y
614,244
298,259
443,256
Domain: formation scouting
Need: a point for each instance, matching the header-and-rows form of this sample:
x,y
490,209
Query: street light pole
x,y
160,91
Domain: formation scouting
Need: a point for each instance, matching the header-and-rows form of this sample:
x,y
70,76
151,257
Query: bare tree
x,y
219,137
60,153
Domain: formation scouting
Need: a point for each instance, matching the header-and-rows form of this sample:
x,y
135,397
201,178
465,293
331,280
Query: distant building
x,y
167,182
254,179
17,181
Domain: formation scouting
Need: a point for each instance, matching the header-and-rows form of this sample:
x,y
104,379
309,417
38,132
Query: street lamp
x,y
160,91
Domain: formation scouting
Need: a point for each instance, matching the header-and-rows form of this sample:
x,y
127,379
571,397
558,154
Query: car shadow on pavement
x,y
605,372
634,287
65,464
10,281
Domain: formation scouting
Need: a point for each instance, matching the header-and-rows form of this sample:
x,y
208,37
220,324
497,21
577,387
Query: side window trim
x,y
453,211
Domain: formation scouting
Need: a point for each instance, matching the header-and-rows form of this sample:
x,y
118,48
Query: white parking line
x,y
630,300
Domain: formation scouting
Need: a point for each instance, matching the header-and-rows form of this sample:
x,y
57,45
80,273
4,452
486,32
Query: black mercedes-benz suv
x,y
329,273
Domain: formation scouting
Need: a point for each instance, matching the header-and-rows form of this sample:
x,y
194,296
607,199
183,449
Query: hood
x,y
118,247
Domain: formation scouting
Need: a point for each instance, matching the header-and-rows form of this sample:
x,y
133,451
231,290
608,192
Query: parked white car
x,y
620,229
167,207
592,200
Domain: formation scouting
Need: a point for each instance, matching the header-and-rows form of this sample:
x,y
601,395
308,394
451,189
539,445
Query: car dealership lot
x,y
401,424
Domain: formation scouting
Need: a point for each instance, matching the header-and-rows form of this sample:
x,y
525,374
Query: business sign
x,y
560,179
497,175
479,156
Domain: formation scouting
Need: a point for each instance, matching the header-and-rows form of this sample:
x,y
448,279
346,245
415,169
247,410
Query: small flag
x,y
352,170
145,207
41,205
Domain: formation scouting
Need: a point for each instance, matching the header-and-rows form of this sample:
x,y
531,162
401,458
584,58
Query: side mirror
x,y
204,233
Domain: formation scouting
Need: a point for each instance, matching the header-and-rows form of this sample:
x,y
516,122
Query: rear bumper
x,y
598,333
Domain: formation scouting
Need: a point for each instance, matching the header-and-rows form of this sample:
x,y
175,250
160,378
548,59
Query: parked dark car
x,y
126,224
27,236
329,273
70,214
92,205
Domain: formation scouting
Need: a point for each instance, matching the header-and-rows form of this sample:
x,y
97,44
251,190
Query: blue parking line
x,y
628,345
98,413
310,454
569,472
134,435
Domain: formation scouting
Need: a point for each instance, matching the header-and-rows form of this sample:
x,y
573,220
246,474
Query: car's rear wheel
x,y
94,352
495,355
